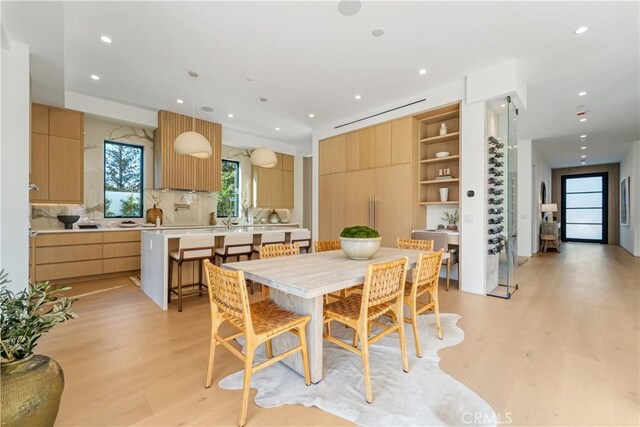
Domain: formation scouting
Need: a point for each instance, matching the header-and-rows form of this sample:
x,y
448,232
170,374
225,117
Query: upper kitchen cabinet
x,y
274,186
183,172
332,155
57,155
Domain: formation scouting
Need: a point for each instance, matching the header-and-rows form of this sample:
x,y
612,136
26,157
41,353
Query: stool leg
x,y
170,278
199,263
179,286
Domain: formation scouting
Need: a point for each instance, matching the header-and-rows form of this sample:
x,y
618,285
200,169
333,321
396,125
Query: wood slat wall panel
x,y
187,172
613,169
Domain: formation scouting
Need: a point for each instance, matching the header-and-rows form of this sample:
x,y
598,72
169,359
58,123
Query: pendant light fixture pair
x,y
191,142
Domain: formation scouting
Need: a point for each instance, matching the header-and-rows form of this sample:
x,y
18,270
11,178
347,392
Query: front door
x,y
584,208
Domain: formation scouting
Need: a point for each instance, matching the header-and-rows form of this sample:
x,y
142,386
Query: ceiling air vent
x,y
381,112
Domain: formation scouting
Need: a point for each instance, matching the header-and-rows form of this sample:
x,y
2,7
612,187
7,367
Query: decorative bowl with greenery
x,y
360,242
452,219
31,384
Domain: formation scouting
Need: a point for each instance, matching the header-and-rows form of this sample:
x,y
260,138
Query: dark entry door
x,y
584,208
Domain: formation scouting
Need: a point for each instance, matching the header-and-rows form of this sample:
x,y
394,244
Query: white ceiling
x,y
305,57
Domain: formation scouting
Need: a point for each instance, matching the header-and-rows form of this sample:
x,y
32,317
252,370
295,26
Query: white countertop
x,y
177,233
165,227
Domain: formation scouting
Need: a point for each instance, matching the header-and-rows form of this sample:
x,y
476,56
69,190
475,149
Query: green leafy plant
x,y
359,232
29,314
451,218
130,207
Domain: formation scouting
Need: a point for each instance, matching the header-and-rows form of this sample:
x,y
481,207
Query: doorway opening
x,y
585,207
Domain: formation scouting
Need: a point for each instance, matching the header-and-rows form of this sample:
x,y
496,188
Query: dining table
x,y
299,283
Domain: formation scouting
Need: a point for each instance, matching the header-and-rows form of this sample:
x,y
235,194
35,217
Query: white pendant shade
x,y
264,157
193,144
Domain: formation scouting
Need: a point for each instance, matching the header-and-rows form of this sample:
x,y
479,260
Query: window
x,y
123,180
228,197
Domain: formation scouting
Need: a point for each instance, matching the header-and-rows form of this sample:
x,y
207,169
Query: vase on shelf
x,y
444,194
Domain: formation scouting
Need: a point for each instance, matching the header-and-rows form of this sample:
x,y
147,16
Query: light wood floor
x,y
563,351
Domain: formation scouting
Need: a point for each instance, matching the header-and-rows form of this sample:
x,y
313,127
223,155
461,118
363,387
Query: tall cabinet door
x,y
331,205
324,207
392,190
66,170
39,167
359,190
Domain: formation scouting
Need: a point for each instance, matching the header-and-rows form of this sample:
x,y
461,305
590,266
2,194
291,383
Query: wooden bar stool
x,y
236,245
302,238
195,249
270,238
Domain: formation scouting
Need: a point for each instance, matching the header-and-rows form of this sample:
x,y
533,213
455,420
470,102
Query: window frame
x,y
236,212
104,180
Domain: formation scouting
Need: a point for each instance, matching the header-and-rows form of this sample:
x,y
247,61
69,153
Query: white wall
x,y
541,173
630,166
14,164
526,211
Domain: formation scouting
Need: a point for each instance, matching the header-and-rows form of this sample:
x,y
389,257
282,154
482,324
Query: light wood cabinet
x,y
402,132
57,155
382,145
332,155
184,172
76,255
392,191
359,191
274,186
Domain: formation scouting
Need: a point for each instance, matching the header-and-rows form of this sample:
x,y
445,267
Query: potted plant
x,y
452,220
360,242
31,384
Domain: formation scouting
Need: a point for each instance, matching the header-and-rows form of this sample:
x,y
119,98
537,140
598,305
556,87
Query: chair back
x,y
196,246
384,282
415,244
275,251
238,239
228,297
327,245
439,239
427,271
271,238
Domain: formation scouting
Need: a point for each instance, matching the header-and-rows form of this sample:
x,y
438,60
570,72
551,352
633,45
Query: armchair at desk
x,y
549,235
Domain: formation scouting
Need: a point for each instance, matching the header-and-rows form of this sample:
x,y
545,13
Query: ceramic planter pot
x,y
452,227
360,248
31,391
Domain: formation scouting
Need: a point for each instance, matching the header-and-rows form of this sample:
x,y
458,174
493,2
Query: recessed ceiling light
x,y
422,71
584,156
95,77
207,109
106,39
249,79
263,99
349,7
583,93
583,136
377,32
583,148
503,105
583,162
357,97
278,129
179,101
582,30
230,115
584,119
311,115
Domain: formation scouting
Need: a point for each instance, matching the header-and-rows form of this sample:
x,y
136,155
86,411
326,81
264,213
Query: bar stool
x,y
193,248
236,245
273,238
302,238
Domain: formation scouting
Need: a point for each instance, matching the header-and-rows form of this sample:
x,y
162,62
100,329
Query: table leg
x,y
312,306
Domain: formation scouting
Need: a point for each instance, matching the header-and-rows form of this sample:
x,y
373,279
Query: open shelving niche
x,y
430,142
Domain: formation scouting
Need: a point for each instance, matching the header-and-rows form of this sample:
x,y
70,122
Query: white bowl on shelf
x,y
441,154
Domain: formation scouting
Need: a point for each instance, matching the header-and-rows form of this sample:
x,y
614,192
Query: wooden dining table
x,y
299,283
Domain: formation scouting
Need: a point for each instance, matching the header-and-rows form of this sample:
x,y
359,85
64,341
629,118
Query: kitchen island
x,y
157,244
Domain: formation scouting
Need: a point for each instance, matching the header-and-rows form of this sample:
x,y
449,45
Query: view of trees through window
x,y
228,197
123,181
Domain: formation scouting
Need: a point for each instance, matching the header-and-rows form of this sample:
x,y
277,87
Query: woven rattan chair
x,y
327,245
382,293
440,242
275,251
425,281
417,245
259,323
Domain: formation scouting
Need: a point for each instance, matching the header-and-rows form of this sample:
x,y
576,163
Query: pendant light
x,y
191,142
264,157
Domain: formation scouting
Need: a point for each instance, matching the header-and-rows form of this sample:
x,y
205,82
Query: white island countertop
x,y
140,227
176,233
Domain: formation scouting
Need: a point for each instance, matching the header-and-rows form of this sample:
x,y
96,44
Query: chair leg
x,y
246,386
365,367
355,338
212,355
414,325
199,264
269,349
170,279
305,356
179,286
403,341
448,271
436,310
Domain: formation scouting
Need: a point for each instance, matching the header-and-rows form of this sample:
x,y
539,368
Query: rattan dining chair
x,y
327,245
383,292
440,242
258,323
415,244
426,276
275,251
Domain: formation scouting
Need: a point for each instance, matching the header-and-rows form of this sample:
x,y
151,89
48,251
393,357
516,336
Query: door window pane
x,y
575,185
591,216
584,200
582,231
